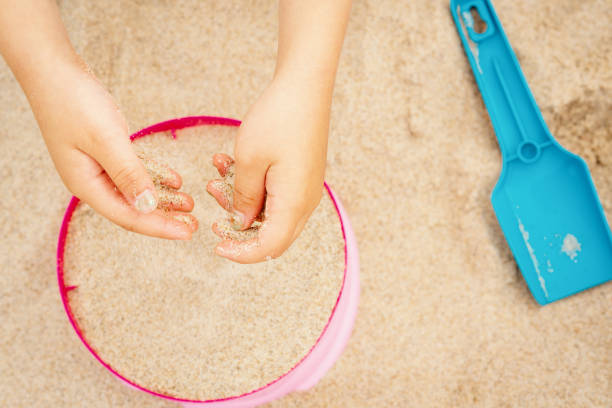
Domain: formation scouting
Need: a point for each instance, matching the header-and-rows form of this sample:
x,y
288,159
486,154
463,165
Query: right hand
x,y
88,140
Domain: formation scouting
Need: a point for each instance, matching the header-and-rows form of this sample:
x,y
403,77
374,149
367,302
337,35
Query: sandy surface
x,y
445,317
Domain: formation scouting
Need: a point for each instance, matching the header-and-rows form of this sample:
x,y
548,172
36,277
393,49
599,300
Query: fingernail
x,y
184,219
237,219
145,202
221,251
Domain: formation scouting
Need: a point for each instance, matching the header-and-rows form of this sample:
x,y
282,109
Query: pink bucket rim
x,y
173,125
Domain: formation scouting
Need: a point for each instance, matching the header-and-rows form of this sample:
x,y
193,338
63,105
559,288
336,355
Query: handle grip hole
x,y
480,26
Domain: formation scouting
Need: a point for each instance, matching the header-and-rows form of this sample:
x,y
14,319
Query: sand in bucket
x,y
178,320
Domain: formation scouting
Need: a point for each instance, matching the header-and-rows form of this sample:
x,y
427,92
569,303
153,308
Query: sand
x,y
571,246
225,225
445,318
179,320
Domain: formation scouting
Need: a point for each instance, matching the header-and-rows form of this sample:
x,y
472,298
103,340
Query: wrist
x,y
308,84
51,72
54,83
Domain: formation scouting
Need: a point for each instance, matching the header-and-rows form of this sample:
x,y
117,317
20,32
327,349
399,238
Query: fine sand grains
x,y
175,318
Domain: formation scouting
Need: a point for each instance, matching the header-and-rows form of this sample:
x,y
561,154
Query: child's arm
x,y
281,147
85,133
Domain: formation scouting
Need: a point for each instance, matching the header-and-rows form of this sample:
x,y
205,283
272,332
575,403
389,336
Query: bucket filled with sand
x,y
175,320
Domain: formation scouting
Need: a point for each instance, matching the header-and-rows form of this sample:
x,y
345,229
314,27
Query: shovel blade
x,y
554,223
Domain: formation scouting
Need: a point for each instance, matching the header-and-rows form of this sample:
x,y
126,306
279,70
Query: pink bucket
x,y
323,354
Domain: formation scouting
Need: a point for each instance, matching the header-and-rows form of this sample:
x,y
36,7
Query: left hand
x,y
280,153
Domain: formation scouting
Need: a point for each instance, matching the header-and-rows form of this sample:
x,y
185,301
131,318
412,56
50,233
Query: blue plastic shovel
x,y
545,199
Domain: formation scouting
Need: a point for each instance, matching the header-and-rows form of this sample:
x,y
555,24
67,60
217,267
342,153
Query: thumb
x,y
128,174
249,192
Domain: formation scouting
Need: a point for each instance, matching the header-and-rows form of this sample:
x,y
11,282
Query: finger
x,y
222,192
100,193
161,173
224,230
303,220
300,227
275,236
222,162
170,199
127,172
249,192
187,219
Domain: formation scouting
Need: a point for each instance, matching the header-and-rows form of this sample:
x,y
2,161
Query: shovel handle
x,y
517,120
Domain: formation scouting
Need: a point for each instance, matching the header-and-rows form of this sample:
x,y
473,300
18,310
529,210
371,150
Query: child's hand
x,y
88,140
282,144
280,154
85,133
